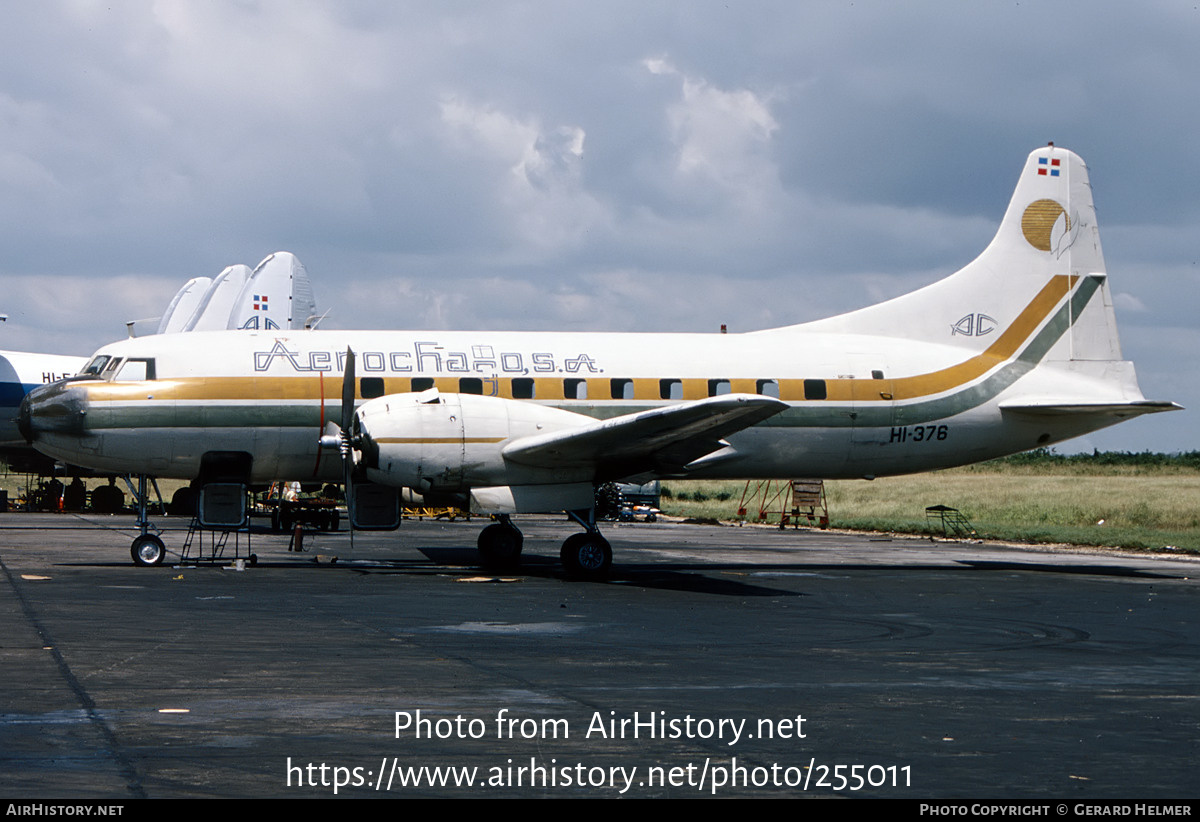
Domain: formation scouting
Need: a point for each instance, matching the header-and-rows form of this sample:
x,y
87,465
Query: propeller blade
x,y
348,392
347,448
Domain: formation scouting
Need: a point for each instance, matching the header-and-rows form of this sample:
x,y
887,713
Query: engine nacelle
x,y
451,442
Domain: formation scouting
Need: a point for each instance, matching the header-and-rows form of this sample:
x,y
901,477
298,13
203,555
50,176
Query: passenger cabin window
x,y
135,370
522,388
370,387
814,390
877,375
575,389
767,388
420,384
470,385
718,387
622,389
670,389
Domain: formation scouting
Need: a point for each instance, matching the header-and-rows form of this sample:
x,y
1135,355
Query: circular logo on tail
x,y
1038,221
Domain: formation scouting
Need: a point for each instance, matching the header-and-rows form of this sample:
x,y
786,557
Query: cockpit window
x,y
93,368
135,369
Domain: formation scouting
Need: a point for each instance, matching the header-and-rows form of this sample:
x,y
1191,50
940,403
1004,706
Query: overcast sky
x,y
593,165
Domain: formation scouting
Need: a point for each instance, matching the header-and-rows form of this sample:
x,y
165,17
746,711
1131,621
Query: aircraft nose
x,y
58,407
24,420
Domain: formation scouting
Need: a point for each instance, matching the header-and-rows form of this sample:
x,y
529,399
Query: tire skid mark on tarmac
x,y
125,766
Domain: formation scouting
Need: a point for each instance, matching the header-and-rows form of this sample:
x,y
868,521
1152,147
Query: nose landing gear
x,y
148,549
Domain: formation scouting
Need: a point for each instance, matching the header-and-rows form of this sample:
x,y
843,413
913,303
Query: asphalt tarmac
x,y
717,661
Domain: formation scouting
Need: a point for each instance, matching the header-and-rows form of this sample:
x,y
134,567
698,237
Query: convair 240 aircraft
x,y
1017,350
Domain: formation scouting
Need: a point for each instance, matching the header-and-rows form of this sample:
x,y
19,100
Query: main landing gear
x,y
586,556
500,545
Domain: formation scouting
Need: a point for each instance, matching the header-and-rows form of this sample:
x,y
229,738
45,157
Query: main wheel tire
x,y
587,555
148,550
500,547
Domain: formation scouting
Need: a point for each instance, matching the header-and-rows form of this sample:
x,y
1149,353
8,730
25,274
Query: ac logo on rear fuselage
x,y
974,325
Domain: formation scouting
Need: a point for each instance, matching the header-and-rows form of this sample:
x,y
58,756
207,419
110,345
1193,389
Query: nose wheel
x,y
147,550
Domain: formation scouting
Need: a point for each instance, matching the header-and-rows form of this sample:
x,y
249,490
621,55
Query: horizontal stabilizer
x,y
1055,408
664,438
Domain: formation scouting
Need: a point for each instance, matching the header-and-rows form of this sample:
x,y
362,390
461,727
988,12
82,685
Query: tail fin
x,y
1046,255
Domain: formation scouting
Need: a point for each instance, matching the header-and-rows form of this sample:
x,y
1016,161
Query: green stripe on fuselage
x,y
816,414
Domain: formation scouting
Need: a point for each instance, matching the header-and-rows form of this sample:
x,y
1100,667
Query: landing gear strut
x,y
587,555
147,549
500,545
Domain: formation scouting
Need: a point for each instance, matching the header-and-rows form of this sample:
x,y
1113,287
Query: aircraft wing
x,y
660,440
1058,408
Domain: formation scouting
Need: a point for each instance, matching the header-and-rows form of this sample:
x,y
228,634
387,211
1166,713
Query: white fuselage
x,y
853,411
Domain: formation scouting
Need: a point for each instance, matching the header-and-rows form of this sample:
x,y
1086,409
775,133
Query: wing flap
x,y
663,438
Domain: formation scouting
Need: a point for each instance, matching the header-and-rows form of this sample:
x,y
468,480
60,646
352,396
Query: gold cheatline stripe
x,y
936,382
435,440
837,390
1005,346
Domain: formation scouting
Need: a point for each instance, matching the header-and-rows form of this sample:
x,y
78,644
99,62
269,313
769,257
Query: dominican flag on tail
x,y
1048,166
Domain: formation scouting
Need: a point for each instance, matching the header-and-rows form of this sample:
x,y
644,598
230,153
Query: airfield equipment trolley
x,y
788,499
951,520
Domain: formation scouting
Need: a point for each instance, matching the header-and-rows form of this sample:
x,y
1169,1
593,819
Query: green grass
x,y
1140,501
1139,506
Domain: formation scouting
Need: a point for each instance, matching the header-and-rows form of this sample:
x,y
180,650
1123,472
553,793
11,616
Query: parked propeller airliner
x,y
20,373
1017,350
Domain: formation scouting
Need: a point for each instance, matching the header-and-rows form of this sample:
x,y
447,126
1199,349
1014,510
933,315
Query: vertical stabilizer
x,y
1046,254
278,295
220,299
184,305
